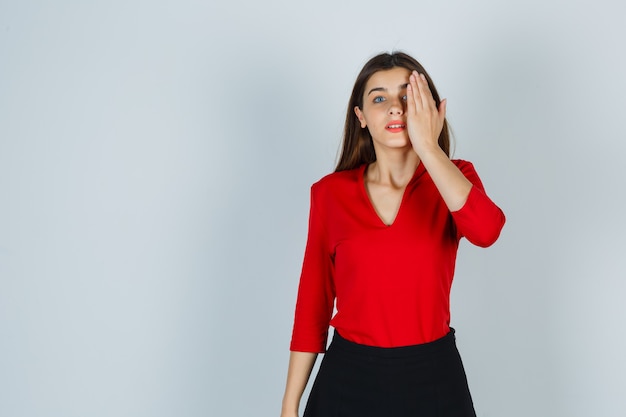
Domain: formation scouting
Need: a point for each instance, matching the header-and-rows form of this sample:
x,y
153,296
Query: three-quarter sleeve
x,y
316,292
480,220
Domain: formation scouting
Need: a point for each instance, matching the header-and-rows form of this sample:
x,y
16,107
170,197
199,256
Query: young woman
x,y
384,230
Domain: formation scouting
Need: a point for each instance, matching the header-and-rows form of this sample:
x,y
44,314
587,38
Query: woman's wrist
x,y
289,410
429,151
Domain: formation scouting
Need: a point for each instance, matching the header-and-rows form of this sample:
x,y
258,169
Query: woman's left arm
x,y
424,122
475,215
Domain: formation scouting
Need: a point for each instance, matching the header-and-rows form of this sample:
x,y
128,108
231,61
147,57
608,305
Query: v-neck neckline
x,y
419,170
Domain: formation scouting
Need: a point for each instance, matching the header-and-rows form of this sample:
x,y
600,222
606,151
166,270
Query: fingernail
x,y
423,77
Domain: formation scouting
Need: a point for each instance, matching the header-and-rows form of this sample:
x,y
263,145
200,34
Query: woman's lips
x,y
395,126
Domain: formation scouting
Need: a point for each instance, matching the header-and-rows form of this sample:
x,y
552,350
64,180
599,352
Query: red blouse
x,y
391,284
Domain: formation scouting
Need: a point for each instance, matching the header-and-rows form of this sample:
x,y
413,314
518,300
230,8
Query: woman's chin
x,y
398,144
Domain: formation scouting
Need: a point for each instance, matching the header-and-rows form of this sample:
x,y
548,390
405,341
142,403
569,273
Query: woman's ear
x,y
359,115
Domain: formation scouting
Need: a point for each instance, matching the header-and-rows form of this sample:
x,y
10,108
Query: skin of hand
x,y
424,119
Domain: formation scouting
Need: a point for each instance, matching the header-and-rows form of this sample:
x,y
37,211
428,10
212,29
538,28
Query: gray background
x,y
155,164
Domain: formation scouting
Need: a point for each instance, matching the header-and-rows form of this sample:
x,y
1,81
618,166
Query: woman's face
x,y
384,108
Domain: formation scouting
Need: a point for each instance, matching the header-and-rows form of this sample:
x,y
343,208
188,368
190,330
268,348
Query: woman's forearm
x,y
300,367
451,183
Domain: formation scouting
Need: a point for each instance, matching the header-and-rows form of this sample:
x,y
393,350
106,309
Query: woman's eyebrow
x,y
401,87
376,89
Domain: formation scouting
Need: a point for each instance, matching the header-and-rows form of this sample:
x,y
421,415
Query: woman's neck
x,y
393,168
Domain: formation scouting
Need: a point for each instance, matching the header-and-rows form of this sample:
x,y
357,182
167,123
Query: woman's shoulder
x,y
341,182
339,178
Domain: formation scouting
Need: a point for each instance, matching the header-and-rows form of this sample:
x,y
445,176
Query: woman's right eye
x,y
379,99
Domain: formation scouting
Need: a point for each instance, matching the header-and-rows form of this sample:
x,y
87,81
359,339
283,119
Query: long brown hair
x,y
357,147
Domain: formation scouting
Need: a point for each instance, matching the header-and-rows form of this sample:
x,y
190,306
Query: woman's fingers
x,y
424,117
415,89
419,91
424,97
428,101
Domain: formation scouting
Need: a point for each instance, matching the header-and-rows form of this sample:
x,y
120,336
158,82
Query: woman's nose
x,y
396,107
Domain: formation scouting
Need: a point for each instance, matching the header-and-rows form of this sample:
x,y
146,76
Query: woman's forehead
x,y
388,80
391,78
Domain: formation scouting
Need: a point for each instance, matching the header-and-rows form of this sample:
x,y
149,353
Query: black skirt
x,y
412,381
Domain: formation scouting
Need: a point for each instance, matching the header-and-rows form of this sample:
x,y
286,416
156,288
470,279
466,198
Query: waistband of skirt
x,y
445,343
